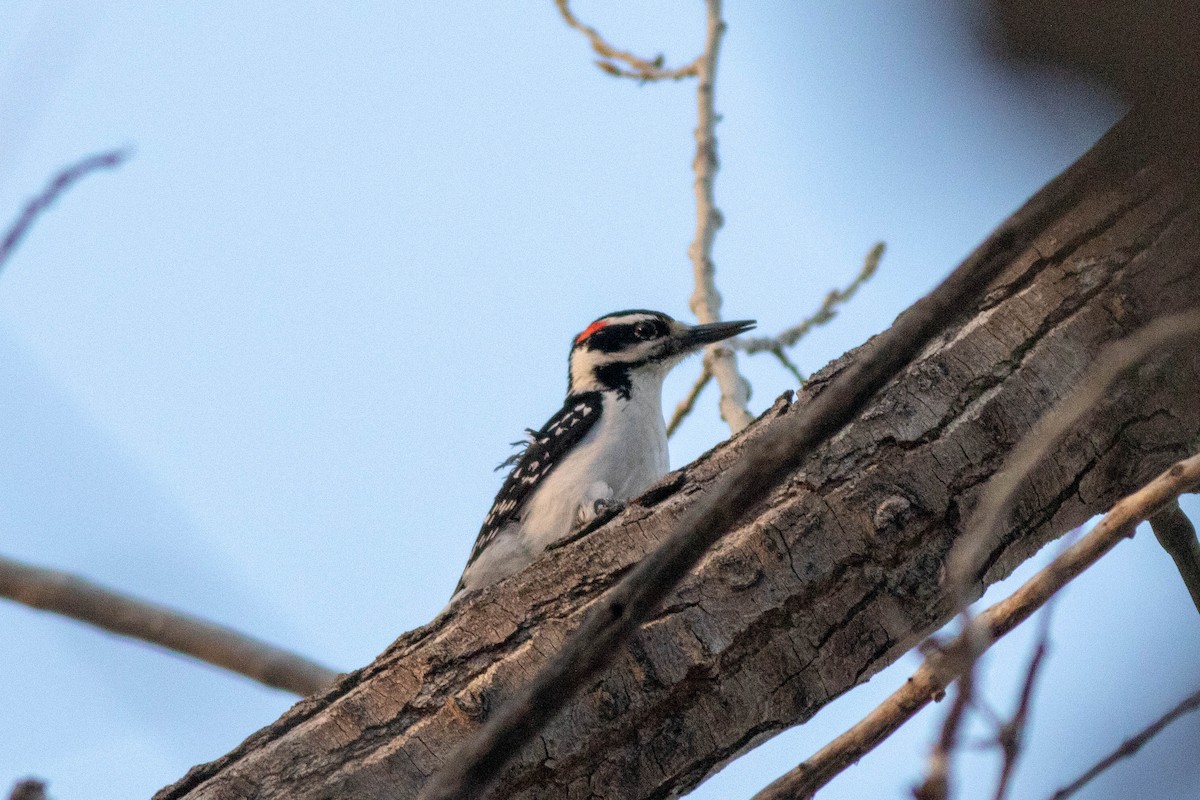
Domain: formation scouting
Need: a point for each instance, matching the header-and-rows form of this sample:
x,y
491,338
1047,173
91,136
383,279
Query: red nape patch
x,y
590,329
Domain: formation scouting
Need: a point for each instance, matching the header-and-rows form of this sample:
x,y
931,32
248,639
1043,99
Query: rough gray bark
x,y
832,578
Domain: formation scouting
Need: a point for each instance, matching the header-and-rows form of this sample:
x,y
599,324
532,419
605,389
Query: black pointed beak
x,y
701,335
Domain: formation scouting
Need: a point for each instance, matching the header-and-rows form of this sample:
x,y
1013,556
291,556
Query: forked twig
x,y
777,345
611,58
705,301
1011,734
827,311
936,785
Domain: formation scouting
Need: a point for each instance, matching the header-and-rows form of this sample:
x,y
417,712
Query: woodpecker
x,y
607,443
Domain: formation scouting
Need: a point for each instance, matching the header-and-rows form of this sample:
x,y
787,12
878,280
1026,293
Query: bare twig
x,y
993,508
706,300
945,664
59,184
776,345
766,461
689,402
1011,735
76,597
611,58
788,364
937,780
1129,746
828,310
1177,536
991,513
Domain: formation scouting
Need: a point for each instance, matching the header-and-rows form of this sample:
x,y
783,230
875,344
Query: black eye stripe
x,y
612,338
621,335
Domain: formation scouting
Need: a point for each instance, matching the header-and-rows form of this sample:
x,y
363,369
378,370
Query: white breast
x,y
620,457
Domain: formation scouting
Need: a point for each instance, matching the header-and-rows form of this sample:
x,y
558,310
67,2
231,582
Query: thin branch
x,y
705,301
788,364
828,310
1044,436
1002,487
54,189
937,781
1011,735
689,402
943,664
765,463
787,338
1129,746
1177,536
76,597
611,58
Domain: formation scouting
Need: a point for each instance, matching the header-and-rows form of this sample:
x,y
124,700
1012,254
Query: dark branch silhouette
x,y
1130,746
61,182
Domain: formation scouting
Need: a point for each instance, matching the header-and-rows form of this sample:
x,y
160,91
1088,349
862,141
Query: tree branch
x,y
72,596
611,57
944,665
825,580
936,785
689,402
706,300
76,597
476,763
1011,734
1046,435
777,345
61,182
828,310
1130,746
1177,536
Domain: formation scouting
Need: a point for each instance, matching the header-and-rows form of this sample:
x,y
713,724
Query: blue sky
x,y
264,370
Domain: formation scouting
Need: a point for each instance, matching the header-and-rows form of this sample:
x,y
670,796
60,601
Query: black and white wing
x,y
545,450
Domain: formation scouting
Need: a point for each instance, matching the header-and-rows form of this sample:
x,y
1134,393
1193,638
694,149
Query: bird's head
x,y
622,349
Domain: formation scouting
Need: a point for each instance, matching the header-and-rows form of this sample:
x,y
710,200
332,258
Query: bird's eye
x,y
644,330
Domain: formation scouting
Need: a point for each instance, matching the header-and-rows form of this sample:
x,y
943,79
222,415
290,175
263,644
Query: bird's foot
x,y
607,508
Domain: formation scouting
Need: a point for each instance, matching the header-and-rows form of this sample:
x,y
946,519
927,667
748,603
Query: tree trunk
x,y
832,578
